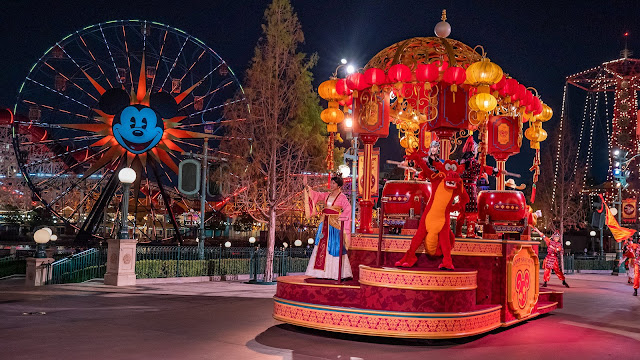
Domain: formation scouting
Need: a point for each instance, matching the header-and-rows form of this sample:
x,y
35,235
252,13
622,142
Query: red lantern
x,y
528,99
427,73
341,87
500,84
455,76
529,107
510,87
441,64
399,73
503,135
452,114
371,123
374,76
355,82
537,108
520,93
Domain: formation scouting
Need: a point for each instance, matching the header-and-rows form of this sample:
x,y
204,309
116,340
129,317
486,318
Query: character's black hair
x,y
337,179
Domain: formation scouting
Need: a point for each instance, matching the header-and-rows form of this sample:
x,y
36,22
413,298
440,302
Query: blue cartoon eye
x,y
133,122
144,123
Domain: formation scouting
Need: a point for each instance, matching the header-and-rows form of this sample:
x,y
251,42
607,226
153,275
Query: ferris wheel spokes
x,y
70,145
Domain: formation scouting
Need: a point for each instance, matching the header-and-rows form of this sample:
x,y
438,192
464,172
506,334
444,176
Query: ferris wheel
x,y
116,94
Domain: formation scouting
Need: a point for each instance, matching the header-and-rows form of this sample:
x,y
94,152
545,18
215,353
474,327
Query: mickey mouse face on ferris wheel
x,y
138,128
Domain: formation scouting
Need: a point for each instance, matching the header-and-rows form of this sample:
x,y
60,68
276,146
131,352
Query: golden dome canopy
x,y
423,50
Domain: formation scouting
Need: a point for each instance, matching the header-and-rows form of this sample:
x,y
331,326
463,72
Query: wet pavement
x,y
232,320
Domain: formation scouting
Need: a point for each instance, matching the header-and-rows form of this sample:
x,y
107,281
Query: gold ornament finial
x,y
444,15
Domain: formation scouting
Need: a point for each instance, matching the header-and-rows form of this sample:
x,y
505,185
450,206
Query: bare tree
x,y
562,203
271,145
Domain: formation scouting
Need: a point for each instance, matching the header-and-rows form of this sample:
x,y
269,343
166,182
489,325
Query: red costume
x,y
434,229
472,171
633,256
552,261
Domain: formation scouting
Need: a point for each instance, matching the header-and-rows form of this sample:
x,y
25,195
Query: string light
x,y
555,173
589,159
608,124
582,125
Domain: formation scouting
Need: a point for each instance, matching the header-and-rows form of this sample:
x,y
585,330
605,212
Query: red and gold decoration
x,y
504,138
522,282
372,188
629,210
399,244
444,87
418,280
387,323
432,88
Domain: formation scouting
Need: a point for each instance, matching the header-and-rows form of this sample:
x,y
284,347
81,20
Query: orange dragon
x,y
434,229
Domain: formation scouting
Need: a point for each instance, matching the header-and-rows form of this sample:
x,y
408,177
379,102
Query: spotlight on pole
x,y
351,69
343,61
348,122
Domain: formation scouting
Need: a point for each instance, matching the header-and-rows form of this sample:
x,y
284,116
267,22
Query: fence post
x,y
38,271
220,261
178,260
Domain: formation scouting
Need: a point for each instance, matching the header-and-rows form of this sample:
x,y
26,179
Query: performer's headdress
x,y
435,143
470,145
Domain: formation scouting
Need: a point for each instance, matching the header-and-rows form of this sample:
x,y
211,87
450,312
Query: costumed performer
x,y
472,171
434,155
552,261
632,254
434,230
324,259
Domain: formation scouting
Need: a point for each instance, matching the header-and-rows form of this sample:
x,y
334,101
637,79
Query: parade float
x,y
431,88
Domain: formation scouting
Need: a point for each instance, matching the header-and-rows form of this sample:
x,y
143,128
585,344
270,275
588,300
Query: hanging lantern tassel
x,y
533,193
330,151
330,157
536,172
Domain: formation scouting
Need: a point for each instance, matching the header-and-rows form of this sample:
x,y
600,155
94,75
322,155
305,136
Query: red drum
x,y
405,198
506,206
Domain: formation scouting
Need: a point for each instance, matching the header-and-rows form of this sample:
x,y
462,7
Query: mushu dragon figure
x,y
434,229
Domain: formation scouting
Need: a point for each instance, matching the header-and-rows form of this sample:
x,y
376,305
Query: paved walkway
x,y
231,320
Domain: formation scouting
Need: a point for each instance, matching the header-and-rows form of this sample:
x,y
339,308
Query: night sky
x,y
537,42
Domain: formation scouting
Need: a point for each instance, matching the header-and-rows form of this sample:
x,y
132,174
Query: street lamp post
x,y
203,197
126,176
253,261
592,233
352,154
41,237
